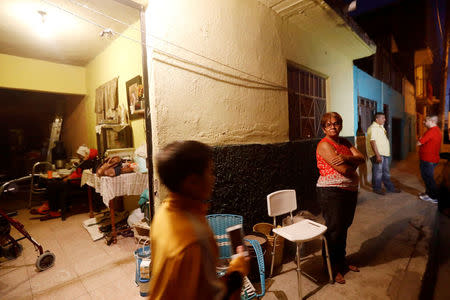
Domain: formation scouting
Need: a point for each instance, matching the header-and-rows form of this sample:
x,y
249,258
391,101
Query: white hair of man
x,y
433,119
83,150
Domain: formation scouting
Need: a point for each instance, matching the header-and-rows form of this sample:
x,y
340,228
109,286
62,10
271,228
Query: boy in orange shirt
x,y
184,251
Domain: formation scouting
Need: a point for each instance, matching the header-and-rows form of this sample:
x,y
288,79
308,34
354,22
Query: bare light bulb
x,y
43,15
42,28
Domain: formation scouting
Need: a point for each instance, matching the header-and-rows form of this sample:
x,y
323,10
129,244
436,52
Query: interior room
x,y
72,94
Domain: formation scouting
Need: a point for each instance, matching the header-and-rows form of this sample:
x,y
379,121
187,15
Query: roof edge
x,y
338,6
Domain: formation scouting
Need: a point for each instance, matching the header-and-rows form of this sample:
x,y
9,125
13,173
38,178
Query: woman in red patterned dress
x,y
337,189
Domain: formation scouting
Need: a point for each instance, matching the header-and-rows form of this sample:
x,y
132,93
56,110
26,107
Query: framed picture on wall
x,y
135,96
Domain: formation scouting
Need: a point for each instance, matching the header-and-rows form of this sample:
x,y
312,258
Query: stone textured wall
x,y
246,174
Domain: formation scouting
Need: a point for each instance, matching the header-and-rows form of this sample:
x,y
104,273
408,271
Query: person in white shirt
x,y
378,150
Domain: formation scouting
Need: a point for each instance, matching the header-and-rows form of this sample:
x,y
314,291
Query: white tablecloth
x,y
111,187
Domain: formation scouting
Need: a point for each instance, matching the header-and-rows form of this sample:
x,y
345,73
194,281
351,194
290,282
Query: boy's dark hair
x,y
327,116
377,114
180,159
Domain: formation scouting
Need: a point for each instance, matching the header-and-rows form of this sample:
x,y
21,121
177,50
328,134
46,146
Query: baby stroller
x,y
9,247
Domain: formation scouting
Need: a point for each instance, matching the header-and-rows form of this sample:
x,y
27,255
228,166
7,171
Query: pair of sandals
x,y
339,278
41,210
44,212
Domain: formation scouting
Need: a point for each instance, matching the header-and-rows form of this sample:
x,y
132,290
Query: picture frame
x,y
135,97
114,137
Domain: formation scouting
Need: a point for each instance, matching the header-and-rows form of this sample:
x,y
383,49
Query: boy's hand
x,y
241,263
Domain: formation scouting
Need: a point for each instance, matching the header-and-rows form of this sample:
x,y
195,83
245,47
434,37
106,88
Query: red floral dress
x,y
330,177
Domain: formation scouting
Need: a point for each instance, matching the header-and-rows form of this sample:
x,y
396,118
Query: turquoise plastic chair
x,y
219,223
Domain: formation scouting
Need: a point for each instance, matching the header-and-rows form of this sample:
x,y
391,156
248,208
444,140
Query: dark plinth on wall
x,y
246,174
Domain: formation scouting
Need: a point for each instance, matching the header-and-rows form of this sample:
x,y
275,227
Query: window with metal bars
x,y
307,103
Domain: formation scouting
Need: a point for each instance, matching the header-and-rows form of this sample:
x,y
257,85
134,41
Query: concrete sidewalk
x,y
388,240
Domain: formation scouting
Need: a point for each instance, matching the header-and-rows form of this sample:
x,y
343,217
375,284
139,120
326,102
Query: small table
x,y
112,187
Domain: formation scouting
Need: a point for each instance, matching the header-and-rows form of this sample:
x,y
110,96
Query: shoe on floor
x,y
424,197
339,278
431,200
43,209
54,214
428,199
353,268
379,192
395,190
50,215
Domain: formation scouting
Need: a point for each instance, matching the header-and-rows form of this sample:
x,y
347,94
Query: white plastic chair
x,y
283,202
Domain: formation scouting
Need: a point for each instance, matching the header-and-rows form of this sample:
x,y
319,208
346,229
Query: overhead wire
x,y
439,18
170,43
269,85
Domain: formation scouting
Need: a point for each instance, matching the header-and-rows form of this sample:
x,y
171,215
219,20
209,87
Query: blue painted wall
x,y
371,88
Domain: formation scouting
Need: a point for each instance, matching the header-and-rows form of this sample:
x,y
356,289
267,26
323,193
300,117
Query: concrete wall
x,y
188,104
219,71
38,75
193,102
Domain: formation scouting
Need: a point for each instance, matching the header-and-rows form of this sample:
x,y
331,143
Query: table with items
x,y
111,187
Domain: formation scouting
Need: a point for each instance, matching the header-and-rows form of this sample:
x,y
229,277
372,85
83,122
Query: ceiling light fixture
x,y
42,27
43,15
107,33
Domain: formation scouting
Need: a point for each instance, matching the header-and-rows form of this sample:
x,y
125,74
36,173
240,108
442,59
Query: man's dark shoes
x,y
379,192
395,190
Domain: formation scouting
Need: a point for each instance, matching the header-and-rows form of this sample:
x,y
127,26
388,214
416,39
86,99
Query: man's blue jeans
x,y
380,173
427,172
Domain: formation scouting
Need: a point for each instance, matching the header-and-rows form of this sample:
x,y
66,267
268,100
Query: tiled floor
x,y
83,269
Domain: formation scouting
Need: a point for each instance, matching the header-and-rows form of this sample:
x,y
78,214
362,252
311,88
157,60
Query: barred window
x,y
307,104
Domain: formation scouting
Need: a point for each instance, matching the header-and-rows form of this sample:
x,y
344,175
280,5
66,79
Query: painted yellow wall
x,y
410,99
122,58
38,75
305,49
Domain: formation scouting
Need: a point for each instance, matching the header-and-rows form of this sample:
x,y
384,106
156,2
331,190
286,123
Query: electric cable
x,y
272,85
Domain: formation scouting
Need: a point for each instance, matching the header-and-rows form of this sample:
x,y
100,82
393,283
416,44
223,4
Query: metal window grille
x,y
307,104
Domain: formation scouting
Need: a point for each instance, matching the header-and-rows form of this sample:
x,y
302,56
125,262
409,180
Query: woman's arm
x,y
355,159
336,161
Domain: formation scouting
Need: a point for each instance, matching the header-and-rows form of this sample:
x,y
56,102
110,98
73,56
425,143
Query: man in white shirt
x,y
378,150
